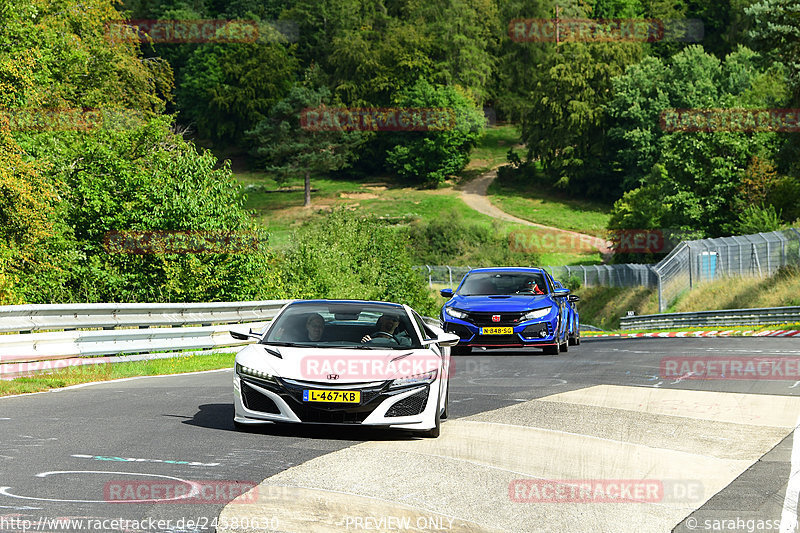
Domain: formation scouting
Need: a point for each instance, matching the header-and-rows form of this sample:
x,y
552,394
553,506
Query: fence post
x,y
430,281
450,274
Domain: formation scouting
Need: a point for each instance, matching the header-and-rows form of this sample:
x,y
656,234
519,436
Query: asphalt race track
x,y
532,443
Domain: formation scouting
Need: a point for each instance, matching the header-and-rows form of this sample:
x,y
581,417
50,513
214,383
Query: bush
x,y
755,219
349,257
573,283
450,240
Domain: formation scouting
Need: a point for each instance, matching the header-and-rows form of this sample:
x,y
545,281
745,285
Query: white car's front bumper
x,y
424,420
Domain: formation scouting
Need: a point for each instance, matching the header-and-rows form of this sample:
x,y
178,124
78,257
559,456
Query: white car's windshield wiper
x,y
356,346
291,344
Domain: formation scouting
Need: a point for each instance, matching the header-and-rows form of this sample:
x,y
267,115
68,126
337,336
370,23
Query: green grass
x,y
491,150
737,331
548,207
75,375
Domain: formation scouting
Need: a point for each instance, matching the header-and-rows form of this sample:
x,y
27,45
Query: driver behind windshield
x,y
315,325
530,286
387,324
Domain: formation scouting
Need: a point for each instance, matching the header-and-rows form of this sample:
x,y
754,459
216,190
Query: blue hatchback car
x,y
508,307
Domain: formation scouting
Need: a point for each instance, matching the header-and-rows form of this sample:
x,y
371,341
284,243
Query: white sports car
x,y
345,362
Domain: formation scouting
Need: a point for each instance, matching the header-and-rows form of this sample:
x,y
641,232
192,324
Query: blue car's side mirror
x,y
447,293
561,293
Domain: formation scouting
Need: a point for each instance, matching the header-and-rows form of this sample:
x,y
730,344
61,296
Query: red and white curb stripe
x,y
710,333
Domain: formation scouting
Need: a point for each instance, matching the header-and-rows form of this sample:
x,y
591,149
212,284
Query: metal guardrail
x,y
25,318
726,317
65,344
88,330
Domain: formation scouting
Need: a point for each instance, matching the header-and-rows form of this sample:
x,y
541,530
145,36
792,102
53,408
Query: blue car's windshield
x,y
502,283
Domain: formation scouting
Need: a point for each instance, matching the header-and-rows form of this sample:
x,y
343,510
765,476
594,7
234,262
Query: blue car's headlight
x,y
455,313
536,313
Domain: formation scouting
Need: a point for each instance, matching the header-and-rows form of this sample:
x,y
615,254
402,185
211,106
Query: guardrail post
x,y
661,305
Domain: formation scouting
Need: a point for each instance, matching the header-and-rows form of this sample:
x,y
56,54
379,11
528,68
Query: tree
x,y
429,157
290,150
697,175
565,123
228,88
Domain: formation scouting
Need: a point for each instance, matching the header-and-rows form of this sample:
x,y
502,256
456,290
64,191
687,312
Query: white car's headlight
x,y
536,313
455,313
247,371
418,379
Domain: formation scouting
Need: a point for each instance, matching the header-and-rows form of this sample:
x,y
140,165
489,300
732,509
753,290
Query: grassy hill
x,y
603,306
280,208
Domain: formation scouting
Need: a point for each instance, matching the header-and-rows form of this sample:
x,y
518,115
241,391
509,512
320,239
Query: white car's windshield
x,y
350,325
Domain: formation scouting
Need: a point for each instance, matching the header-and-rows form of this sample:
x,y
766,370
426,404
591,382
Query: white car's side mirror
x,y
448,339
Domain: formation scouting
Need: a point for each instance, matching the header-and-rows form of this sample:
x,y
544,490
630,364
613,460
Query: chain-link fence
x,y
693,262
690,263
628,275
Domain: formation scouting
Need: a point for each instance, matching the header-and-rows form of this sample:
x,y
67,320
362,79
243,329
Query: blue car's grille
x,y
485,319
458,329
494,340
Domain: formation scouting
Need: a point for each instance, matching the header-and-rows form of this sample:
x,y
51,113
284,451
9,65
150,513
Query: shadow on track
x,y
220,416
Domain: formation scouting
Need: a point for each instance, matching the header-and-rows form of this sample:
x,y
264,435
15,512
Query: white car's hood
x,y
339,365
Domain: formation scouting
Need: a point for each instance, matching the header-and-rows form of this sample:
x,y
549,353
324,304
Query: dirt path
x,y
474,195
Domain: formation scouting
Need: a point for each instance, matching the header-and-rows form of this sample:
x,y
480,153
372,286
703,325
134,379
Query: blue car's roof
x,y
508,269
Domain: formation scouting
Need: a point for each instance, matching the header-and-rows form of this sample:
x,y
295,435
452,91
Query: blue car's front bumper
x,y
529,333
